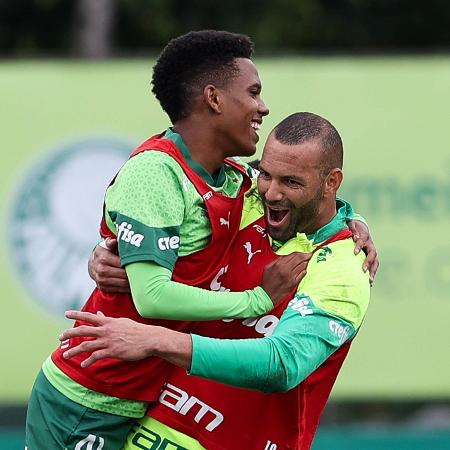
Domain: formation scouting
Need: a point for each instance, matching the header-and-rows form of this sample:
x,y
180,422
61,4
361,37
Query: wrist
x,y
159,342
173,346
263,303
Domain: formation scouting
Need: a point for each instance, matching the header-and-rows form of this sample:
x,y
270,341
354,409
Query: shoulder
x,y
335,257
336,282
149,189
152,162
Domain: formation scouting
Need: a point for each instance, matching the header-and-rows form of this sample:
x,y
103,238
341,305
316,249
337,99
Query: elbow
x,y
276,388
150,311
143,312
278,382
145,306
284,378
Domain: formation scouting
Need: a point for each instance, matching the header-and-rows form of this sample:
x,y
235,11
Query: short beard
x,y
301,218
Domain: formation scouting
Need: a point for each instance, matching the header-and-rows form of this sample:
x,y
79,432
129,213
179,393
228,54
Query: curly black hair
x,y
305,126
190,62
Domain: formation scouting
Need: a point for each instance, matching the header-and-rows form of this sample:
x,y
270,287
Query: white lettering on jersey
x,y
226,222
169,243
270,446
260,230
264,325
250,254
208,195
301,305
216,285
126,234
90,441
181,402
341,331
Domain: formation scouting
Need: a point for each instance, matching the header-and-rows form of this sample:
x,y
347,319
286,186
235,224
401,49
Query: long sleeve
x,y
276,363
156,295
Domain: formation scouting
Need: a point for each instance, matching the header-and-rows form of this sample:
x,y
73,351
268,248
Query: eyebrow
x,y
294,177
284,177
261,168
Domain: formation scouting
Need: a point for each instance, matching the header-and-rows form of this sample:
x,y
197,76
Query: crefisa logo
x,y
54,219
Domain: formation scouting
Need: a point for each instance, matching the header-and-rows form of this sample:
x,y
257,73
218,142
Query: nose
x,y
273,192
262,108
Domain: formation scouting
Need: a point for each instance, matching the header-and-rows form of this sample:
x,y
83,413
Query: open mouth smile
x,y
255,125
276,217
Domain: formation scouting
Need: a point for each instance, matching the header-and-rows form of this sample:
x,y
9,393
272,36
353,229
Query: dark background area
x,y
103,28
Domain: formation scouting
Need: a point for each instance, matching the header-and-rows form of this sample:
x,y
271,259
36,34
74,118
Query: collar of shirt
x,y
302,242
216,181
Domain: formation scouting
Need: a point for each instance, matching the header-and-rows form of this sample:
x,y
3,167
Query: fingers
x,y
293,259
353,229
105,256
110,269
371,262
299,271
361,234
114,285
300,266
299,277
300,257
354,226
299,263
373,270
106,271
359,243
81,331
85,346
111,244
363,241
84,316
291,264
94,357
370,258
108,265
103,244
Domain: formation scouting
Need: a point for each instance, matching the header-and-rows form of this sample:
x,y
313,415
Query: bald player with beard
x,y
287,360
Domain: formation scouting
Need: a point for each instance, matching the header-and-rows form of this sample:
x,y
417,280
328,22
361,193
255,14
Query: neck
x,y
324,216
200,141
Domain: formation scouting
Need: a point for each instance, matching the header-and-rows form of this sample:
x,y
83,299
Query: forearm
x,y
156,295
273,364
246,363
173,346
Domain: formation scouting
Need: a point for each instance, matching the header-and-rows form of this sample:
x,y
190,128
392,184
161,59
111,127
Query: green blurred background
x,y
61,116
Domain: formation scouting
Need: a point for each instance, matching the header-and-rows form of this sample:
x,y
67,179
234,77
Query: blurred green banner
x,y
68,126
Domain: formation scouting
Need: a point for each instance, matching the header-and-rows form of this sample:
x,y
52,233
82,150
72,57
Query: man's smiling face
x,y
291,187
243,109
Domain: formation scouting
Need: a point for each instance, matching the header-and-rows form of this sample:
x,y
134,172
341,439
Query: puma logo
x,y
250,253
225,222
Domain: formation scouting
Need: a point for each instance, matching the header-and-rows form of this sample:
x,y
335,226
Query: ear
x,y
333,181
213,98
